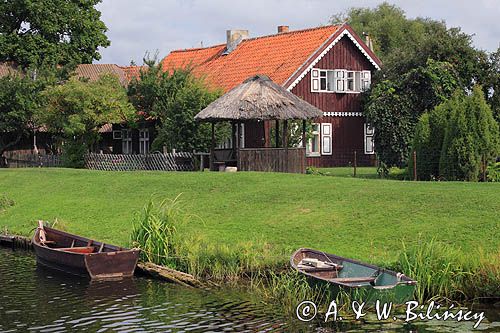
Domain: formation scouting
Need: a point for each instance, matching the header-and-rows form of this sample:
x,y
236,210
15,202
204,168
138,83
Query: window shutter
x,y
340,81
314,80
369,144
326,139
366,79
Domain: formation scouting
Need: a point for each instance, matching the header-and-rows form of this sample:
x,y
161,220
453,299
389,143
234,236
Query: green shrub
x,y
73,154
494,172
471,138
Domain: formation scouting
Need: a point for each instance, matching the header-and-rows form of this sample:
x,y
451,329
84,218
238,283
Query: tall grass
x,y
444,273
155,230
155,233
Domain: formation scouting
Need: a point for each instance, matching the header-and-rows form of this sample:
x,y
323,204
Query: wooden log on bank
x,y
168,274
16,242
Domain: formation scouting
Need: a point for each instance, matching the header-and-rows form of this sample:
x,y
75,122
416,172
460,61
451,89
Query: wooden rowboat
x,y
82,256
370,282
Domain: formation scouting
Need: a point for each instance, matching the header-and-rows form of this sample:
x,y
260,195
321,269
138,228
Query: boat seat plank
x,y
81,249
354,279
310,269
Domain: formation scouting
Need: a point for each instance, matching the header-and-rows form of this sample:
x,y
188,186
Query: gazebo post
x,y
234,137
277,132
285,142
285,134
303,133
212,148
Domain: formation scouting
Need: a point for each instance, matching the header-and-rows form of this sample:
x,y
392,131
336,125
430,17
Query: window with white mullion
x,y
312,148
339,80
369,144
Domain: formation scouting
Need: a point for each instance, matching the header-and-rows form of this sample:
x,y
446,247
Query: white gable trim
x,y
342,114
325,51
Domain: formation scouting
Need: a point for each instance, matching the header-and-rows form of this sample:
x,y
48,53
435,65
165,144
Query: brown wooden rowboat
x,y
82,256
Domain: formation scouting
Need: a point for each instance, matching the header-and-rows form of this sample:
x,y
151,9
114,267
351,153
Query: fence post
x,y
355,163
414,165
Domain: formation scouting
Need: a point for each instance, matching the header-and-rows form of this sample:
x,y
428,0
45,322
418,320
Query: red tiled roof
x,y
277,56
131,72
94,71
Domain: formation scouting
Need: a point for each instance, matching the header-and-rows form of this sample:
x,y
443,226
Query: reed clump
x,y
445,274
155,232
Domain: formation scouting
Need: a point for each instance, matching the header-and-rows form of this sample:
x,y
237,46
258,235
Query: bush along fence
x,y
432,167
157,161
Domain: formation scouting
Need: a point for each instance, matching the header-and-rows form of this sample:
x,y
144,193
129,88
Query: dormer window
x,y
339,80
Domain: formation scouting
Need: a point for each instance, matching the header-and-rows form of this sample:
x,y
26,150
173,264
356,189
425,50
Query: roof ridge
x,y
259,37
293,32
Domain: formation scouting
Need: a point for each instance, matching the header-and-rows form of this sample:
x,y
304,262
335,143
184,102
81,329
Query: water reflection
x,y
39,299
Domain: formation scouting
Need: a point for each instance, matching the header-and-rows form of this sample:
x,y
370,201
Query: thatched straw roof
x,y
258,98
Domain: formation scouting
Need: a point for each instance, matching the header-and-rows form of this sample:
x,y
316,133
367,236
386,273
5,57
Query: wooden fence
x,y
291,160
158,161
15,159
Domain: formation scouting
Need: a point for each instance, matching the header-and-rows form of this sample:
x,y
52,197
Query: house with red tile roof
x,y
327,66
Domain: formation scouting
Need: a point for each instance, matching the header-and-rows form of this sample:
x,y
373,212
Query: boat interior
x,y
325,267
62,241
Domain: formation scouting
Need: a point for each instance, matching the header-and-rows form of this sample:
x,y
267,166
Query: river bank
x,y
248,224
63,302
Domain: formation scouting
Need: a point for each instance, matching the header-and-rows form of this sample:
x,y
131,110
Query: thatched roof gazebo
x,y
259,98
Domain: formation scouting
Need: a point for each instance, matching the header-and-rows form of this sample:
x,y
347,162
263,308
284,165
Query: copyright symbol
x,y
306,311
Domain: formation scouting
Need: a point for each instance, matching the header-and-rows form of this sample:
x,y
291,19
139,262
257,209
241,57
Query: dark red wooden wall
x,y
348,131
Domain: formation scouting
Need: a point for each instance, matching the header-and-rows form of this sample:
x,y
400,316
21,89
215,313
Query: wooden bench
x,y
82,249
354,279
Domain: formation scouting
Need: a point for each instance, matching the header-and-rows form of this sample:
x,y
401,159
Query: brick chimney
x,y
283,29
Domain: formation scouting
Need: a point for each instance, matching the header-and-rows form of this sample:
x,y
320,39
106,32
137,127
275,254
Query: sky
x,y
159,26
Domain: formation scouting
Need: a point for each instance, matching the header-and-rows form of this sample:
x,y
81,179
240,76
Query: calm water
x,y
36,299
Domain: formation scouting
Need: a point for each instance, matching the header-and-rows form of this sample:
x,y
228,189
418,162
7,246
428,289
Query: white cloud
x,y
149,25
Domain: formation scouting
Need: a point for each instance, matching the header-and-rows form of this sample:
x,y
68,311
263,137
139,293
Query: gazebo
x,y
259,99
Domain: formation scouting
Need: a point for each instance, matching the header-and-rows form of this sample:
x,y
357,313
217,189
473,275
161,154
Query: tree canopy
x,y
424,62
19,98
75,111
173,99
37,33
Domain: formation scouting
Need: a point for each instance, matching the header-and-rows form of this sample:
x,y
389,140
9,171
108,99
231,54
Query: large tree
x,y
403,43
173,99
19,98
424,62
75,111
492,88
37,33
394,107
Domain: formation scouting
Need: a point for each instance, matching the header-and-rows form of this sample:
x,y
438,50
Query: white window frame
x,y
338,81
316,130
144,141
326,138
366,80
126,141
369,132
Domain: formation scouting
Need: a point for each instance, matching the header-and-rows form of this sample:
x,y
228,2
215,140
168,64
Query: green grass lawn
x,y
356,217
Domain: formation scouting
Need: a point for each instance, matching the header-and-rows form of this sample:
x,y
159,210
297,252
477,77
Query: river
x,y
37,299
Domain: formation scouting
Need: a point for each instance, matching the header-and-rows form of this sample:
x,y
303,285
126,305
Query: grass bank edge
x,y
443,273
